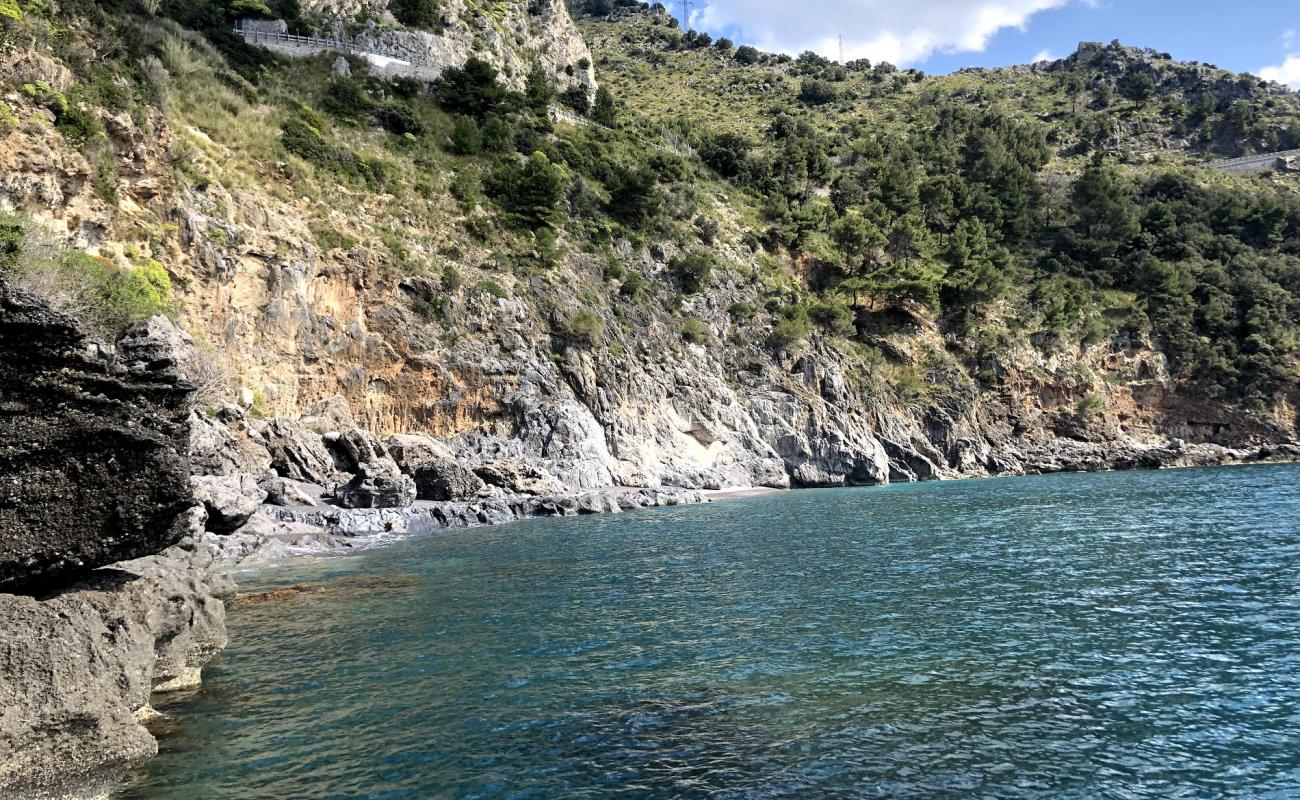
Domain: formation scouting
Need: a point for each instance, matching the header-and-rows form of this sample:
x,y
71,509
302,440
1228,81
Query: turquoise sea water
x,y
1128,635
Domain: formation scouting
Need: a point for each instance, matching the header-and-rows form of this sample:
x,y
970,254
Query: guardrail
x,y
325,43
1244,160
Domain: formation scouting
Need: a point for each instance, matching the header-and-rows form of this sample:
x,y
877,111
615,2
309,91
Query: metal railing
x,y
1244,160
328,43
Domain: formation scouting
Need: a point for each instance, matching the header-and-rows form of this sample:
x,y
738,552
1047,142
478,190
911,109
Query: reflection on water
x,y
1117,635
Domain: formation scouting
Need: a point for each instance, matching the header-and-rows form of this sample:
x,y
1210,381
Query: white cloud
x,y
901,33
1043,55
1287,72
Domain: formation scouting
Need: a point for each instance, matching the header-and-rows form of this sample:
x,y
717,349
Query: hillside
x,y
722,268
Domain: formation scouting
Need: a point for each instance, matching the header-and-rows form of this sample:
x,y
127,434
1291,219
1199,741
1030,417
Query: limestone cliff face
x,y
510,36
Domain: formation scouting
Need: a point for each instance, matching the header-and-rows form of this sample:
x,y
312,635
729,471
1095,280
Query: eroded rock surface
x,y
92,449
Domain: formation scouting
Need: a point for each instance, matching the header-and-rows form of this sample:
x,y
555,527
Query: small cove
x,y
1116,634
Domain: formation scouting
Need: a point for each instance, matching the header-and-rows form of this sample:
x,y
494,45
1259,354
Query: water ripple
x,y
1117,635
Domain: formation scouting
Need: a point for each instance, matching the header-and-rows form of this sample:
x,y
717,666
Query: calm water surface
x,y
1132,635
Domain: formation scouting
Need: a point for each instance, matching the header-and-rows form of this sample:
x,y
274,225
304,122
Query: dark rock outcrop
x,y
298,453
444,479
519,477
80,665
92,450
377,484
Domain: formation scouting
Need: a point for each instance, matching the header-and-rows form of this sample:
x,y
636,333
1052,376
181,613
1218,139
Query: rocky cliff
x,y
95,458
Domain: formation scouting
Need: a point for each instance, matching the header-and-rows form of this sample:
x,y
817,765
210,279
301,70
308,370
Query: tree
x,y
466,138
529,192
538,90
1106,216
726,153
816,92
603,112
859,241
747,55
976,268
633,195
472,89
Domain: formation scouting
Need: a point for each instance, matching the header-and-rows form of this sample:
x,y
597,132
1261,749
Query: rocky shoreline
x,y
115,568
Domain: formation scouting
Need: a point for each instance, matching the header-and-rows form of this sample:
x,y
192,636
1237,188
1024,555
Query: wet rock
x,y
77,668
229,499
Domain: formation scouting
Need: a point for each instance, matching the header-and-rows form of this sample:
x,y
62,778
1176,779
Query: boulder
x,y
93,452
221,447
330,415
354,447
444,479
288,492
377,484
410,450
229,499
519,477
298,453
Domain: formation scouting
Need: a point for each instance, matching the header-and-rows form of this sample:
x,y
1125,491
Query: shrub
x,y
498,135
1088,406
694,331
345,99
584,326
817,92
464,187
788,332
692,270
633,196
746,54
834,316
492,289
741,310
399,118
604,111
308,144
726,153
417,14
576,98
633,285
329,239
471,89
466,138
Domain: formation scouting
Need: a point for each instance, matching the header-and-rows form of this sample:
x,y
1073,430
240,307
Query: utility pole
x,y
686,15
841,48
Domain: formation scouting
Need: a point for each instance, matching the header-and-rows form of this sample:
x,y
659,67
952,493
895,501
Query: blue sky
x,y
943,35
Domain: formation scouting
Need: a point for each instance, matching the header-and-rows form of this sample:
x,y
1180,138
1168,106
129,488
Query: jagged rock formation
x,y
92,445
93,449
78,667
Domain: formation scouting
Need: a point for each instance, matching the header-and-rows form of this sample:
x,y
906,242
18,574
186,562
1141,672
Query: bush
x,y
575,97
466,138
1090,405
694,331
817,92
399,118
584,326
498,136
472,89
745,54
633,286
604,111
692,270
726,153
308,144
788,332
417,14
345,99
835,317
741,310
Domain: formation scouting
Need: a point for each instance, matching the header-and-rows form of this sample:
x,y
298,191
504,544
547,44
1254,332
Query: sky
x,y
1257,36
